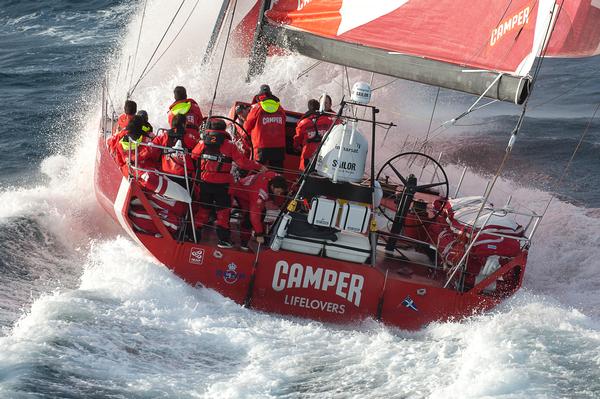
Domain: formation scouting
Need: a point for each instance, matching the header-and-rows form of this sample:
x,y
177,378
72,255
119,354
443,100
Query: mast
x,y
260,46
216,32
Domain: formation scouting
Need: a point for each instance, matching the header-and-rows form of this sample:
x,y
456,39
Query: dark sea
x,y
86,313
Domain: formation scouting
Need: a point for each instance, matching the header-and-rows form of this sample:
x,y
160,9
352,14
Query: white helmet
x,y
361,93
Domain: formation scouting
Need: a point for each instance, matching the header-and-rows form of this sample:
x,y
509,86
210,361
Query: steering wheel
x,y
249,142
413,165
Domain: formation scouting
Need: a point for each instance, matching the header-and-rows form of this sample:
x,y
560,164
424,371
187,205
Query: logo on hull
x,y
231,276
345,285
409,303
196,256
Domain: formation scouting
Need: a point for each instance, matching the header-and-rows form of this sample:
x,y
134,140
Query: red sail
x,y
577,30
496,35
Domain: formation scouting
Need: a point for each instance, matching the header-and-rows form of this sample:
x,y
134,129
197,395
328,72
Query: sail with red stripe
x,y
479,47
495,35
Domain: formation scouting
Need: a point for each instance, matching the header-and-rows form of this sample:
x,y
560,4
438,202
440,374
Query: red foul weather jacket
x,y
193,115
251,193
244,141
215,164
117,133
125,151
309,133
266,126
122,122
170,161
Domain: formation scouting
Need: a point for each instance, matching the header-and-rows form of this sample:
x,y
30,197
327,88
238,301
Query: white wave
x,y
133,329
140,331
563,259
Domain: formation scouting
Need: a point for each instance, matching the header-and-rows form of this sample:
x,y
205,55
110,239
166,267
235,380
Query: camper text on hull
x,y
345,285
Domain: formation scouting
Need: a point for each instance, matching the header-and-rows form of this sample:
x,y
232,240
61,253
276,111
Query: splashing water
x,y
124,326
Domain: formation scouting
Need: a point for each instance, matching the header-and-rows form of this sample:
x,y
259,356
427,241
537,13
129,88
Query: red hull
x,y
302,285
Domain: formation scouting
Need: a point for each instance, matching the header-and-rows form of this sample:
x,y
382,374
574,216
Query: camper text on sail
x,y
509,24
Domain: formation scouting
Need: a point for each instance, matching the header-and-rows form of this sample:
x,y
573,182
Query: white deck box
x,y
323,212
355,218
350,247
302,246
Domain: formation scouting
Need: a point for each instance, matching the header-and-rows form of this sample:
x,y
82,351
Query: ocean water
x,y
86,313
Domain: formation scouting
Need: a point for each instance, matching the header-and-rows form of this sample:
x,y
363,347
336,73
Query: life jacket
x,y
211,158
173,161
147,128
125,150
216,160
190,109
130,145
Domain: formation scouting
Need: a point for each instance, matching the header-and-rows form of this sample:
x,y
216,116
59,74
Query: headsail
x,y
577,30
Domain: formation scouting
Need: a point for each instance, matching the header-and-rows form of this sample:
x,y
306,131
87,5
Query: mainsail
x,y
479,47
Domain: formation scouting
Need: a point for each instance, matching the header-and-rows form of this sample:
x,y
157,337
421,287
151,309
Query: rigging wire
x,y
307,70
131,90
212,103
172,41
385,84
437,95
572,88
511,142
137,46
570,161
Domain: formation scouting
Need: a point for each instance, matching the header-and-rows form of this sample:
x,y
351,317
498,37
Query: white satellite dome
x,y
343,155
361,93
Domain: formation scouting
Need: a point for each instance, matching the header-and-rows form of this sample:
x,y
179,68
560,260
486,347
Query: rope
x,y
387,84
137,46
307,70
130,91
212,103
566,169
172,41
517,128
432,113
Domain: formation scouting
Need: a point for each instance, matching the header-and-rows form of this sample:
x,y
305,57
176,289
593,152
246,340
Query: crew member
x,y
191,110
239,114
266,126
328,104
216,154
147,128
252,193
129,110
264,92
173,160
310,131
131,137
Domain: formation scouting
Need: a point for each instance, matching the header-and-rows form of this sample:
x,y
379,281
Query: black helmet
x,y
241,108
134,127
143,114
264,89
